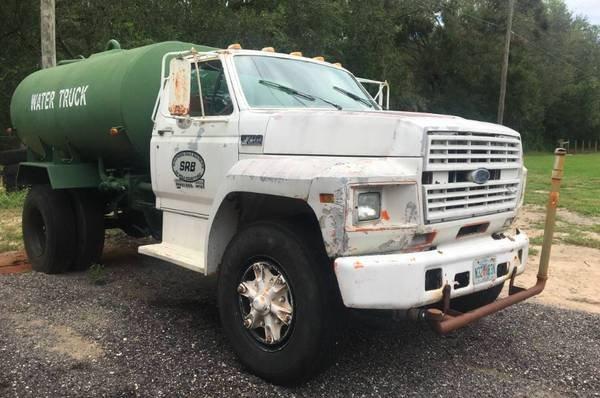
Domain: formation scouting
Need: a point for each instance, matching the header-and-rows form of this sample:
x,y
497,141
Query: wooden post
x,y
596,146
47,33
503,76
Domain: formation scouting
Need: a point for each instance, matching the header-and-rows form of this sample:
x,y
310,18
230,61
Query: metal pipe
x,y
450,322
557,174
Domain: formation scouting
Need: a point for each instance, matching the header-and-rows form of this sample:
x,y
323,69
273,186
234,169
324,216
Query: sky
x,y
587,8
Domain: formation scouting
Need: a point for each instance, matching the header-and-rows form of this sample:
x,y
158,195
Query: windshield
x,y
271,82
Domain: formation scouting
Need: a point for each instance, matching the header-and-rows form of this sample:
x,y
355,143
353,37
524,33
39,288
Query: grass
x,y
12,200
580,190
11,203
10,230
570,233
580,193
97,274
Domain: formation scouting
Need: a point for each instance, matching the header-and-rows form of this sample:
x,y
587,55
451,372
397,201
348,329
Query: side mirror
x,y
180,75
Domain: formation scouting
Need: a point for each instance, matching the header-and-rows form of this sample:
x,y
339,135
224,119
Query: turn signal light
x,y
326,198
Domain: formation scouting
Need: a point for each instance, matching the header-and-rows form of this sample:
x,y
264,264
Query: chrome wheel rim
x,y
266,303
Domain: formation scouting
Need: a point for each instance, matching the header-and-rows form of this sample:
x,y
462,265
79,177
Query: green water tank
x,y
73,107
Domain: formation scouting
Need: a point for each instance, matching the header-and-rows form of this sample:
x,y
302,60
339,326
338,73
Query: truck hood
x,y
373,134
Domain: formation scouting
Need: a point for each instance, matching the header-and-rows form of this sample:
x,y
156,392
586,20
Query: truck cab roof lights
x,y
268,49
234,46
339,65
296,53
319,58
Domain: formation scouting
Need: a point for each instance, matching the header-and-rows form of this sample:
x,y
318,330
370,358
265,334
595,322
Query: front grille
x,y
451,156
448,149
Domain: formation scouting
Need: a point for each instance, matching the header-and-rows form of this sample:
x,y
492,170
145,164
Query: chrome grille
x,y
451,154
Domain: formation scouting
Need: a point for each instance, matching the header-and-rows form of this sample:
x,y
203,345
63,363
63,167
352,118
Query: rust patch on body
x,y
14,262
385,215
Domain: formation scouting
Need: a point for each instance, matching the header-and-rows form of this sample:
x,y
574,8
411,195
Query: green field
x,y
580,190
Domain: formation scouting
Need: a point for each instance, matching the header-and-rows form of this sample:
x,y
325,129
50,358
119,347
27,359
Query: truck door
x,y
191,156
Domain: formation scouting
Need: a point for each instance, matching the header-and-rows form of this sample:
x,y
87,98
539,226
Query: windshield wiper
x,y
293,91
353,96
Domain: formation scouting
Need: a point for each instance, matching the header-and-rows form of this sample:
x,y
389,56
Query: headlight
x,y
369,206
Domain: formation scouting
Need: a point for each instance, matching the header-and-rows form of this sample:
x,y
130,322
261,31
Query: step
x,y
188,258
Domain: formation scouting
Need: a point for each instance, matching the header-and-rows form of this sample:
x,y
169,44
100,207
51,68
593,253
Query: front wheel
x,y
276,303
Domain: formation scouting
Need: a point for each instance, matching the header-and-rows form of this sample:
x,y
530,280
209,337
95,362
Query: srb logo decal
x,y
188,166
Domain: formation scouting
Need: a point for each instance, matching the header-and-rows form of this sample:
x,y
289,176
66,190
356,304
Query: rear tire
x,y
49,229
476,300
305,343
89,225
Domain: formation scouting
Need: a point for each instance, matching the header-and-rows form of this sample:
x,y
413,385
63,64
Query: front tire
x,y
277,304
49,229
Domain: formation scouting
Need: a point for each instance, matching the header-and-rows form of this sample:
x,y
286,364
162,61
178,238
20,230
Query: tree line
x,y
441,56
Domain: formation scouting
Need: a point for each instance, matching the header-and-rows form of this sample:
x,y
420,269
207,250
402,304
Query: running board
x,y
190,259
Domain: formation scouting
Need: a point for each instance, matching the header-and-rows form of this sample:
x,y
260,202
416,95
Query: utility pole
x,y
47,33
511,9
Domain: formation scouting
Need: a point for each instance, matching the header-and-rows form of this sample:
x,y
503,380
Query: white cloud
x,y
587,8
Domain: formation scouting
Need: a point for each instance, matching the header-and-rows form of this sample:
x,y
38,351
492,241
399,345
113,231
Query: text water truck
x,y
280,174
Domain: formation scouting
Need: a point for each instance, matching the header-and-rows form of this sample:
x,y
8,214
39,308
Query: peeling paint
x,y
395,244
411,213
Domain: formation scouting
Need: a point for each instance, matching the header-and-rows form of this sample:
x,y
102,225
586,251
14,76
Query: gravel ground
x,y
153,330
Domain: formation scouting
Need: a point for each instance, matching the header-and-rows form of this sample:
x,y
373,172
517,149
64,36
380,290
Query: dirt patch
x,y
574,274
14,262
59,339
536,214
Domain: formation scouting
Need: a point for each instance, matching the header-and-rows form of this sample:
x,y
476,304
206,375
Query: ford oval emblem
x,y
480,176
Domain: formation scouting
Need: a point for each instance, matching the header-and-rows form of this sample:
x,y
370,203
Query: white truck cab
x,y
283,175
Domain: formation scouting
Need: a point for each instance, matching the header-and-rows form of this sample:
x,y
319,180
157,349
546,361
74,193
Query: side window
x,y
215,94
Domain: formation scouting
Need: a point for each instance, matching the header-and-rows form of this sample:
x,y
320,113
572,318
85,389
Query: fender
x,y
60,176
305,178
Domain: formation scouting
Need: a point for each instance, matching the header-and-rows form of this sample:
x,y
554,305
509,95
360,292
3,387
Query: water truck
x,y
283,176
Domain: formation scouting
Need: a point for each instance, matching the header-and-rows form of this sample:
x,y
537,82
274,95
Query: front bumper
x,y
397,281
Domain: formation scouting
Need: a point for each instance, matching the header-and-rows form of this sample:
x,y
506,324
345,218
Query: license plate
x,y
484,270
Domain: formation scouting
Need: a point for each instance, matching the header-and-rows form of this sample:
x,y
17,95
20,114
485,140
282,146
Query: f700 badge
x,y
188,167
